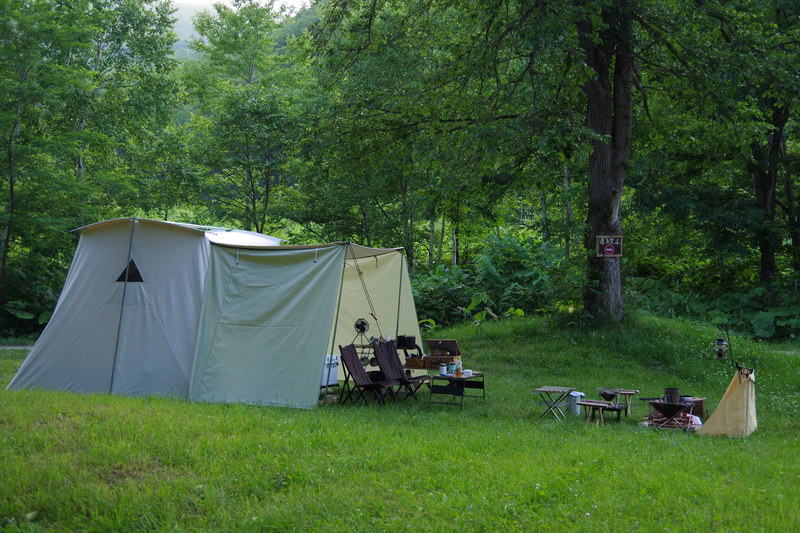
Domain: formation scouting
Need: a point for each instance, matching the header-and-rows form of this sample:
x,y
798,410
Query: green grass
x,y
74,462
27,340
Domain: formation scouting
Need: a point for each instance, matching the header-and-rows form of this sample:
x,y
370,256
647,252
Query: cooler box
x,y
571,403
330,372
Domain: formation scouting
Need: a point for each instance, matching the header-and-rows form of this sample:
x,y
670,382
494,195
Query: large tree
x,y
605,33
244,127
508,71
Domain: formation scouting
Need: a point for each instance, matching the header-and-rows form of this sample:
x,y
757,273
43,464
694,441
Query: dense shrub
x,y
511,275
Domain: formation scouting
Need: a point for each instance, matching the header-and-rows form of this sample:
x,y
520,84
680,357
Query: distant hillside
x,y
186,11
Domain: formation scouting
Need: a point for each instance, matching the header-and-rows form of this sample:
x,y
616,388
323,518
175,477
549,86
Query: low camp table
x,y
598,407
444,385
553,399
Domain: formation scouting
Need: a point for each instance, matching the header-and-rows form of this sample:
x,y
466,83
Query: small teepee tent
x,y
211,314
735,415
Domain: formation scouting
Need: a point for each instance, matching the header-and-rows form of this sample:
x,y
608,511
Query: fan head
x,y
361,326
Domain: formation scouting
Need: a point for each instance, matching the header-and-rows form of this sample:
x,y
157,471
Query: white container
x,y
467,373
330,371
570,403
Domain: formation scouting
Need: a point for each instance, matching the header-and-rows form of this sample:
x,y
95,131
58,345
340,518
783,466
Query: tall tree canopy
x,y
79,79
494,140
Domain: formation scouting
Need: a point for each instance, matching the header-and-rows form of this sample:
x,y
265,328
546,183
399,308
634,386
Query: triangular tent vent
x,y
132,273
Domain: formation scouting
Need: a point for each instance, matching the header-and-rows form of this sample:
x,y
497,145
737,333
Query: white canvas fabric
x,y
212,314
265,323
376,288
735,416
271,315
134,338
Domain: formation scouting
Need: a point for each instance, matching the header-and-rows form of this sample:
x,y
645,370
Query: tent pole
x,y
332,350
399,296
338,305
122,305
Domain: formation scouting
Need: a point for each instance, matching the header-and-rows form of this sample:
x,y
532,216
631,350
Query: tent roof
x,y
243,239
215,234
355,251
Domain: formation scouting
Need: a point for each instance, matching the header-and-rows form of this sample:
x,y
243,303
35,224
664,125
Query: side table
x,y
456,388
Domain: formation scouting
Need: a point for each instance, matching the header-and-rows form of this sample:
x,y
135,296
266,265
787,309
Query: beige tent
x,y
212,314
736,414
271,314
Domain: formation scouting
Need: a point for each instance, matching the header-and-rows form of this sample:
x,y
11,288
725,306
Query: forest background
x,y
494,140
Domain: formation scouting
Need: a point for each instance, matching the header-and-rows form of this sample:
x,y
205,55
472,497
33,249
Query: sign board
x,y
609,246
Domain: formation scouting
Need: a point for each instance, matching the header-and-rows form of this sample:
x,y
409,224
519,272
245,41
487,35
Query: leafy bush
x,y
511,276
763,314
758,312
441,295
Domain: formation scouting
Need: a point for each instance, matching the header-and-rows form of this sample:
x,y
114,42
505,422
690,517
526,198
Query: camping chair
x,y
392,368
361,382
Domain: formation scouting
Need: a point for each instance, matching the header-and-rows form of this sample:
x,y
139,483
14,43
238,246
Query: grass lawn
x,y
75,462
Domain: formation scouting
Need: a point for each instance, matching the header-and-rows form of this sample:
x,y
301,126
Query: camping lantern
x,y
719,347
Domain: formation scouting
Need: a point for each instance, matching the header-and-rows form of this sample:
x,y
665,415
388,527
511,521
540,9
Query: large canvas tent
x,y
735,416
211,314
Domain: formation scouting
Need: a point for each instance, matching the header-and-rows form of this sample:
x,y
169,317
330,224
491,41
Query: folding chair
x,y
361,382
392,368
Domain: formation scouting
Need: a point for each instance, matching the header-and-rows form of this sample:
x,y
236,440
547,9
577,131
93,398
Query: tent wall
x,y
386,289
266,319
212,314
145,331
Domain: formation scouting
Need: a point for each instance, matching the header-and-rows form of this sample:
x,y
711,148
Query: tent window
x,y
131,272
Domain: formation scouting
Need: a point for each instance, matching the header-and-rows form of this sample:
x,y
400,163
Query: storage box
x,y
442,347
432,361
330,371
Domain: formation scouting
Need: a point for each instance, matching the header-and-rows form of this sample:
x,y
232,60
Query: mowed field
x,y
78,462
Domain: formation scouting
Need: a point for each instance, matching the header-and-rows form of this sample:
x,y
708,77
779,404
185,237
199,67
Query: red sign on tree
x,y
609,246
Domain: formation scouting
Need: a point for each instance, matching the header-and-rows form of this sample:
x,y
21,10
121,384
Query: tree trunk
x,y
365,229
80,172
765,182
262,218
441,240
793,219
569,215
408,225
545,221
454,236
11,200
609,113
431,239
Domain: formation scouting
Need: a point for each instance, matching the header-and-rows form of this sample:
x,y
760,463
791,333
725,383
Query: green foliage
x,y
510,276
752,311
80,81
444,127
441,294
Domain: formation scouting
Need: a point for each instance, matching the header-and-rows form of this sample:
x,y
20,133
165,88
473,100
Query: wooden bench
x,y
593,409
